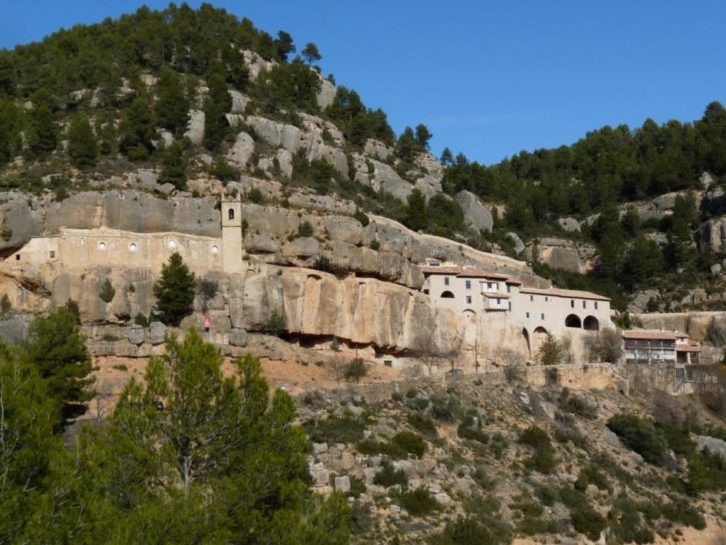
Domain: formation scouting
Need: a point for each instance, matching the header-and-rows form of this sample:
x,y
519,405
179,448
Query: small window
x,y
510,305
531,298
468,299
509,288
584,304
133,247
595,305
499,301
572,303
527,315
230,214
542,316
52,254
102,246
17,257
446,281
388,363
468,284
546,298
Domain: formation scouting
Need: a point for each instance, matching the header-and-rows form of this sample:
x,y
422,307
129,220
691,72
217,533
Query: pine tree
x,y
42,128
550,352
423,135
311,54
284,45
172,105
174,291
10,122
138,130
218,103
58,348
174,166
447,158
417,211
82,147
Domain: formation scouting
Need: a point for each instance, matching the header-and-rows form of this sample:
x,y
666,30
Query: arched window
x,y
230,214
591,323
573,320
447,295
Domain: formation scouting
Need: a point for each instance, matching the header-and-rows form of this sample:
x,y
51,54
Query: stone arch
x,y
527,343
573,320
230,214
447,295
591,323
539,335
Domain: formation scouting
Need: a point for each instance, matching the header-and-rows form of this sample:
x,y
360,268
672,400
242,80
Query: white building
x,y
494,302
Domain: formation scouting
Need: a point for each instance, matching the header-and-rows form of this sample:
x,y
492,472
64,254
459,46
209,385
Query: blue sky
x,y
489,78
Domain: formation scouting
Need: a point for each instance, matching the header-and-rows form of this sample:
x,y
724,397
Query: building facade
x,y
651,346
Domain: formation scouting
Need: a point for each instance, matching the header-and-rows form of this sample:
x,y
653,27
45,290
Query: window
x,y
584,304
17,257
230,214
510,305
446,281
546,298
595,305
499,301
531,298
490,285
52,254
132,247
468,284
542,316
527,315
102,246
572,303
468,299
509,288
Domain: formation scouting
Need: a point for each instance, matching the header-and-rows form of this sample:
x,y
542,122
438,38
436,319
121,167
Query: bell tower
x,y
231,236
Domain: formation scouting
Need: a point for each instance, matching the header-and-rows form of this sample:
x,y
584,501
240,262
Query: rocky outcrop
x,y
326,94
701,326
195,127
241,151
380,177
712,234
18,221
476,215
276,134
564,254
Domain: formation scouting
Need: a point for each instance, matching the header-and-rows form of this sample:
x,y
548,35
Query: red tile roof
x,y
649,335
572,294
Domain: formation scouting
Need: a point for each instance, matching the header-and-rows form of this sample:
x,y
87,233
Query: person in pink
x,y
207,324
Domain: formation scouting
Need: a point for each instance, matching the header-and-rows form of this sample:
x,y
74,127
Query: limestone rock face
x,y
377,150
563,254
239,101
712,234
195,127
571,225
134,211
476,215
363,311
243,148
17,221
326,95
277,135
518,244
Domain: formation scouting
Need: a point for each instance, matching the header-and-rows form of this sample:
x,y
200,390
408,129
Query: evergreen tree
x,y
42,128
407,146
680,238
57,348
417,211
174,291
284,46
172,106
218,103
423,135
311,54
82,147
174,166
10,123
644,262
138,130
447,158
550,352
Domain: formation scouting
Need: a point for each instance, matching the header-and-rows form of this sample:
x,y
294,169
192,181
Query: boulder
x,y
563,254
136,334
518,244
302,247
326,95
238,337
18,223
239,101
157,333
570,225
241,151
263,244
714,445
344,228
14,329
277,135
476,215
342,484
377,149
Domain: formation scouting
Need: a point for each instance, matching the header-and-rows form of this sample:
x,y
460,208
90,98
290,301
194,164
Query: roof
x,y
465,272
495,295
649,335
556,292
470,273
440,270
688,348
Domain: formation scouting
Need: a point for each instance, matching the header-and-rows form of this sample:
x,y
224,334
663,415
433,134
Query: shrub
x,y
444,407
107,291
223,171
472,531
543,457
256,196
389,476
5,305
641,436
424,424
207,288
410,443
470,428
305,229
551,352
587,521
573,404
355,370
141,320
276,324
375,245
681,512
591,475
335,429
419,502
361,217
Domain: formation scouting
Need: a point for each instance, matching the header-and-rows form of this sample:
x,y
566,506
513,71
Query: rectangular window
x,y
446,280
527,315
542,316
510,305
595,305
499,301
572,303
531,298
52,254
468,299
468,284
509,288
546,298
584,304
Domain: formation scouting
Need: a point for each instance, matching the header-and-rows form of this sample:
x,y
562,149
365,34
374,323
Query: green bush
x,y
355,370
389,476
681,512
336,429
419,502
107,291
422,423
590,474
223,171
543,456
573,404
473,531
587,521
305,229
470,428
276,324
410,443
141,320
641,436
